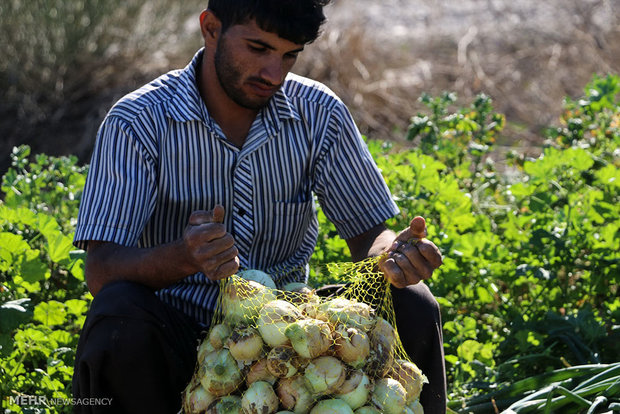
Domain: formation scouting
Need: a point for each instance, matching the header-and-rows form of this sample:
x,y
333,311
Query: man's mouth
x,y
263,89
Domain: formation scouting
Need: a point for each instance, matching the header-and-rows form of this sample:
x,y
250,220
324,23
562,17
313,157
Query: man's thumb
x,y
202,216
418,227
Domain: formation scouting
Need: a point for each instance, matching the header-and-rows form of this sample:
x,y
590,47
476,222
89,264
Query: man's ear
x,y
210,26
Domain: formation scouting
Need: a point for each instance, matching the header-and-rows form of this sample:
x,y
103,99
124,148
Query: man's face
x,y
251,64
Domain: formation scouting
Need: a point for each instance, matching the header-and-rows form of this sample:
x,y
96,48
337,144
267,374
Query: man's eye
x,y
258,49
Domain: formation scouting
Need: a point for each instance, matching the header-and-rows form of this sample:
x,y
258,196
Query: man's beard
x,y
230,77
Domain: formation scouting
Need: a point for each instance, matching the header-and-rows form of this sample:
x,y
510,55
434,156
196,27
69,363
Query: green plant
x,y
530,277
43,297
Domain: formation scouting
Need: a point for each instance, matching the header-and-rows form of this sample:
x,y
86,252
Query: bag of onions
x,y
293,351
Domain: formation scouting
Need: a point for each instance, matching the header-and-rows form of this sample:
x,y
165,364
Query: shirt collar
x,y
187,104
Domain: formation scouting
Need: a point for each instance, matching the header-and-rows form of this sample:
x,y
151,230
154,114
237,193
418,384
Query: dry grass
x,y
59,83
527,69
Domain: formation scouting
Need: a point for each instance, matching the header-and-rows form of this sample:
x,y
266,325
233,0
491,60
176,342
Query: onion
x,y
195,398
283,362
294,395
382,346
219,373
410,376
309,337
245,344
415,407
324,375
231,404
258,276
298,287
273,319
218,335
389,395
309,306
356,389
204,349
367,409
352,345
242,299
259,398
332,406
344,311
259,372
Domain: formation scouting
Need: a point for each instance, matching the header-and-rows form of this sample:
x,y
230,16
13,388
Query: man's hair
x,y
298,21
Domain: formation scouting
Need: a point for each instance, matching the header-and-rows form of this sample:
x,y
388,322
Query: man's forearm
x,y
371,243
156,267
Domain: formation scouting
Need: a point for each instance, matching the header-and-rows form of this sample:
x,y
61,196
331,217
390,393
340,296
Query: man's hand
x,y
411,258
211,249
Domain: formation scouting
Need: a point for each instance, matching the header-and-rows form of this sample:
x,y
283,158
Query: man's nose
x,y
273,71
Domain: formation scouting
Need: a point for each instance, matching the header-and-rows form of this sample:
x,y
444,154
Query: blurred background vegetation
x,y
64,62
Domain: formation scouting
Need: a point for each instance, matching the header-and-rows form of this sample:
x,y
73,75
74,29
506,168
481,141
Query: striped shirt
x,y
159,156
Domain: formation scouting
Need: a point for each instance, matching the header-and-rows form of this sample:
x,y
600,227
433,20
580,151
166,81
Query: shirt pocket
x,y
290,223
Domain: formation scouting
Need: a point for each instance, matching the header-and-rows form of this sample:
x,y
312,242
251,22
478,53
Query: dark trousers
x,y
136,350
418,321
141,352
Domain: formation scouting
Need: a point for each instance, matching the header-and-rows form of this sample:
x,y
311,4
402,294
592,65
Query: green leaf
x,y
483,295
32,269
467,350
76,307
58,247
50,313
13,314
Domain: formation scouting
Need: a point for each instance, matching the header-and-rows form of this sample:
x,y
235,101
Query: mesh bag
x,y
292,350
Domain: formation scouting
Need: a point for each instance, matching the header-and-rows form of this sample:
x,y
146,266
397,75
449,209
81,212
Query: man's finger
x,y
410,271
422,268
418,227
431,253
199,217
393,273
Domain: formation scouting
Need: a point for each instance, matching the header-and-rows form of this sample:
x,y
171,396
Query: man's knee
x,y
123,299
417,302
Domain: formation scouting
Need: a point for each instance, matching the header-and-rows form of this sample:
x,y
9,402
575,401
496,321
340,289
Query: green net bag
x,y
292,350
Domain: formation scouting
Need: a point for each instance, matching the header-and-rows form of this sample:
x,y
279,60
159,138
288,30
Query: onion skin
x,y
219,373
355,390
390,396
242,299
382,345
283,362
273,319
410,376
245,344
294,395
260,398
332,406
260,372
367,409
230,404
415,407
218,335
351,345
309,337
258,276
344,311
195,398
324,375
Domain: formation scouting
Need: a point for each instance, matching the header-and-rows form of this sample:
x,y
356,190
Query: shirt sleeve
x,y
348,183
120,190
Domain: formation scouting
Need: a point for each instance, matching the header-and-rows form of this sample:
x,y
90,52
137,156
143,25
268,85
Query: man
x,y
214,168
